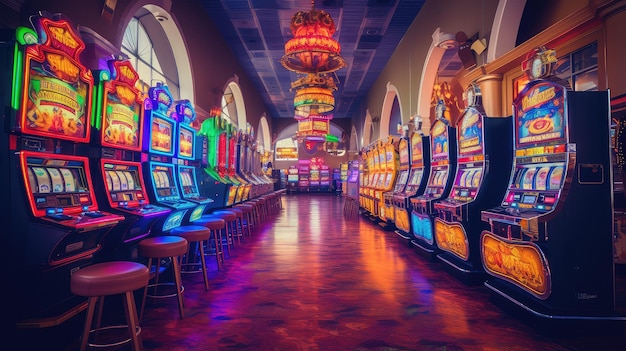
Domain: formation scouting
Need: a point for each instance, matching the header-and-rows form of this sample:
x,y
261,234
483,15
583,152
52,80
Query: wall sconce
x,y
479,46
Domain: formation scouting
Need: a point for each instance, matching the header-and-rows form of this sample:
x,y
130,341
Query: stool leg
x,y
145,292
91,307
132,320
204,270
178,285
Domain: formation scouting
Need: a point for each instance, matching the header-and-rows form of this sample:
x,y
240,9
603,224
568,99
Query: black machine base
x,y
464,274
403,237
428,253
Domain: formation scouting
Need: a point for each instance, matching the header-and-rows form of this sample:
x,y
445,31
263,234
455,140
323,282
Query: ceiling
x,y
367,30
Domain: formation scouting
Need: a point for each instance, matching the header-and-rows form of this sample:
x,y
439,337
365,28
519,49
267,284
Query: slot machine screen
x,y
403,152
471,133
186,138
186,179
161,132
402,178
539,115
388,179
541,179
121,122
440,140
354,174
416,177
417,151
528,179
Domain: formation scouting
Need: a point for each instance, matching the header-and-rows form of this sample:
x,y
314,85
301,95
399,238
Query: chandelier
x,y
314,94
312,48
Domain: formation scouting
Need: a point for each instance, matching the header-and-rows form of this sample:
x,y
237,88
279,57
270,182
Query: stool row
x,y
185,249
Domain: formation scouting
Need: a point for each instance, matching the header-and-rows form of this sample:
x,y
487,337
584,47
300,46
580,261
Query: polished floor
x,y
312,279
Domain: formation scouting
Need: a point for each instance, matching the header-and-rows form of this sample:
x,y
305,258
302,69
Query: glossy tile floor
x,y
311,279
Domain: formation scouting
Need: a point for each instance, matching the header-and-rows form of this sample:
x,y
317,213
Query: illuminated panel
x,y
451,237
187,176
417,150
539,115
521,263
161,135
122,126
163,178
159,109
439,140
44,172
471,133
186,140
422,227
57,90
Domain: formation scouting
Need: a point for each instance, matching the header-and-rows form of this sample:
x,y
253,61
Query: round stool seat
x,y
238,212
210,222
192,233
228,216
163,246
244,208
109,278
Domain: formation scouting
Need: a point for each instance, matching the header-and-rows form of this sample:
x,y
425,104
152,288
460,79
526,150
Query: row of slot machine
x,y
521,204
93,165
382,165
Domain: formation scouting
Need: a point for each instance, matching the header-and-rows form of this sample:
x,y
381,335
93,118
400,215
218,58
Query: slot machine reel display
x,y
484,160
385,213
549,246
118,126
442,172
416,182
56,223
159,148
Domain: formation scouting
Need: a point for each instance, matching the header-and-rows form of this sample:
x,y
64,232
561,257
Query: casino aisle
x,y
312,279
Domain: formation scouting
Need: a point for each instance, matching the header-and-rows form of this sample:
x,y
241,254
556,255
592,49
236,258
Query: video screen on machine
x,y
545,176
539,115
416,177
468,177
161,135
164,180
57,183
471,133
402,178
186,137
440,140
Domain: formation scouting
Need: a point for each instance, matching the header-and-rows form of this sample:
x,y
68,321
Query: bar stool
x,y
238,222
158,247
246,217
105,279
216,226
194,234
230,218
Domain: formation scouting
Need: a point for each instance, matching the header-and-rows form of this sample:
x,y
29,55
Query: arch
x,y
354,144
385,114
504,29
174,46
264,134
368,129
236,107
441,42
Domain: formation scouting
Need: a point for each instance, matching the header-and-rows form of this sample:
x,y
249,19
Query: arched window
x,y
139,47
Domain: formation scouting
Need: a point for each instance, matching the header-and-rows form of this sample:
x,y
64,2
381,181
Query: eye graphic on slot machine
x,y
540,125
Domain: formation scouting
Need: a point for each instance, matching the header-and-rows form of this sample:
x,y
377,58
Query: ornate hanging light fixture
x,y
312,48
314,95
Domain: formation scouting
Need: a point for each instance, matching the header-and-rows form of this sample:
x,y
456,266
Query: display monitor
x,y
440,140
540,114
164,181
186,141
471,132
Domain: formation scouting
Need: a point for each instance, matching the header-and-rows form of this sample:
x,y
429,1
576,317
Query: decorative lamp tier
x,y
314,95
312,48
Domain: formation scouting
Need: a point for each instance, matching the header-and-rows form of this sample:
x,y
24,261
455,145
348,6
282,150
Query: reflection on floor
x,y
312,279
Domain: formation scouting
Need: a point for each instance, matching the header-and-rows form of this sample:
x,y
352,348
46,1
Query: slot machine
x,y
56,224
222,161
440,178
403,177
231,161
292,178
240,153
187,149
377,193
416,183
549,245
484,158
343,176
303,175
117,125
211,183
159,148
352,180
386,214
